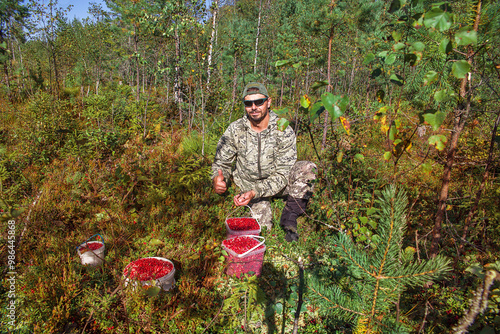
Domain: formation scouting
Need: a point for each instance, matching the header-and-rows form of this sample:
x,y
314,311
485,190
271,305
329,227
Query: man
x,y
266,163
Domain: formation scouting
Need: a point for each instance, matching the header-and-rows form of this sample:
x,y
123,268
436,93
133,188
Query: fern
x,y
370,282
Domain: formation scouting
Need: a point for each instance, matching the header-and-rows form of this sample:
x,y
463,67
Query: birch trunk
x,y
257,40
212,41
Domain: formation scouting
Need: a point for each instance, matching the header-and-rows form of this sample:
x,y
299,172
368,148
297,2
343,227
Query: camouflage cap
x,y
255,88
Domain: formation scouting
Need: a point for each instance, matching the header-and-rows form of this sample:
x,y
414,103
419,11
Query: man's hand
x,y
220,186
244,198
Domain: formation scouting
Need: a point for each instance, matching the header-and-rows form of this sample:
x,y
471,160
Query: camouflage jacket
x,y
263,160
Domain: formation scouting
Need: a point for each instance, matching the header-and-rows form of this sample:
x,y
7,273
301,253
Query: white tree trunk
x,y
212,41
257,40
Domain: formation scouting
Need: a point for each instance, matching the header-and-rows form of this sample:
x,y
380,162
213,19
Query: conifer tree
x,y
362,286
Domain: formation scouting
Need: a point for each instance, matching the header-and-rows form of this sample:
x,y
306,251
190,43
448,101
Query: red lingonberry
x,y
91,246
250,262
147,269
240,245
242,224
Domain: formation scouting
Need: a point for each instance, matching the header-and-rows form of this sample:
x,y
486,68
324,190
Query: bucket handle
x,y
254,247
97,234
251,211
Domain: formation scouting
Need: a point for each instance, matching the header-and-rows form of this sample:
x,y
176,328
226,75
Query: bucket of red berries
x,y
92,252
236,226
150,271
245,254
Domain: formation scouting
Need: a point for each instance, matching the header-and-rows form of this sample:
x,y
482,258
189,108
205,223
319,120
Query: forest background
x,y
109,125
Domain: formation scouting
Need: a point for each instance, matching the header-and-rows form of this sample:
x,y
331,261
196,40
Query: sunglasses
x,y
258,102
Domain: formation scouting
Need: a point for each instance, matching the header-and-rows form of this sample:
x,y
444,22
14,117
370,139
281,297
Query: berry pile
x,y
147,269
252,262
240,245
91,246
242,224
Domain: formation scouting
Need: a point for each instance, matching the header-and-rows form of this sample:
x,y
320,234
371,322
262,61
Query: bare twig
x,y
27,219
216,316
424,320
299,302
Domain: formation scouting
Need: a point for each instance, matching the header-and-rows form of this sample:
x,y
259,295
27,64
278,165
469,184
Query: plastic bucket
x,y
249,261
165,282
89,252
241,230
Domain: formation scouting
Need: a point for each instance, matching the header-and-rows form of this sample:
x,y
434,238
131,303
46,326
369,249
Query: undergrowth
x,y
151,196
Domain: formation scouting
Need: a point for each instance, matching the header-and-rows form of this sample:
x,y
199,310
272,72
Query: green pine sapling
x,y
362,286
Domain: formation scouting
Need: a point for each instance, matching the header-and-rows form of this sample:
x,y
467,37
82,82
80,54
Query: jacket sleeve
x,y
224,154
285,159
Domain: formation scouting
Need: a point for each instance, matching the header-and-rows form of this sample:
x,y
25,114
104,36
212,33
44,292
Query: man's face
x,y
257,110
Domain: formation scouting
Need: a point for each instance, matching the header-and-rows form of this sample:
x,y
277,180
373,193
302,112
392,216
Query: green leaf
x,y
398,46
380,96
361,238
371,211
282,112
397,79
395,6
411,59
466,36
278,307
393,131
383,54
318,84
445,47
305,101
316,110
155,242
487,330
330,103
435,120
397,36
282,124
418,46
476,269
376,72
460,69
443,95
438,141
359,157
343,103
390,59
430,77
17,213
438,19
387,156
363,220
281,63
368,58
153,291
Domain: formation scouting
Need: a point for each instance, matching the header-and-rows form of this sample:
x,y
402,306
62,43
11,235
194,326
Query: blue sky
x,y
80,8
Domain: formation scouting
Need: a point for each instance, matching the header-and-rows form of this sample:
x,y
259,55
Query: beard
x,y
258,118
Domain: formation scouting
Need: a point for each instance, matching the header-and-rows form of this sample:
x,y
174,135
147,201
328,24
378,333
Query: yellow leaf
x,y
339,156
384,128
345,124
